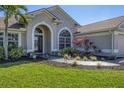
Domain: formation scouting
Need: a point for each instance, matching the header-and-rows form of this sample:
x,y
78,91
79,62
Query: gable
x,y
121,26
55,13
40,12
62,15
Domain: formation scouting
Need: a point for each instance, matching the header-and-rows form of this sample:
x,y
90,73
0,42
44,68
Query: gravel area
x,y
87,63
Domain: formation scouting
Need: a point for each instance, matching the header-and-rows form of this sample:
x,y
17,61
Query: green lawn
x,y
43,75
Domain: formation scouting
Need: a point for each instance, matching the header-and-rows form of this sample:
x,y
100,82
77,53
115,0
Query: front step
x,y
39,55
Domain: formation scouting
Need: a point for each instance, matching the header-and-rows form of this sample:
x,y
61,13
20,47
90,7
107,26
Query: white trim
x,y
95,34
119,27
122,33
64,28
109,50
29,50
19,39
11,29
51,30
112,51
116,32
43,35
55,49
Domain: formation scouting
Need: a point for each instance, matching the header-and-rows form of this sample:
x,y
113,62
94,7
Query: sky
x,y
86,14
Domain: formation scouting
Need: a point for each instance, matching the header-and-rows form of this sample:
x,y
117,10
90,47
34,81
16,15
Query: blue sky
x,y
85,14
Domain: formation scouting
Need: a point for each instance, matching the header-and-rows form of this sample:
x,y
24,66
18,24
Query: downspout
x,y
113,39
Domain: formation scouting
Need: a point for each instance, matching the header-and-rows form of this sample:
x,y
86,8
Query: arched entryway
x,y
42,41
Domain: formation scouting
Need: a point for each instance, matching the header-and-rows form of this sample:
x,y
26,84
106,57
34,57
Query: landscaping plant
x,y
1,53
85,58
69,51
65,57
16,53
74,62
98,65
93,58
78,58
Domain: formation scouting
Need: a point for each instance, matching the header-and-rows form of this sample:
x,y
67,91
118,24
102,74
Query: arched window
x,y
38,31
64,39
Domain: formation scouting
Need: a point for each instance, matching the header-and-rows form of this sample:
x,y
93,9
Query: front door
x,y
40,44
38,41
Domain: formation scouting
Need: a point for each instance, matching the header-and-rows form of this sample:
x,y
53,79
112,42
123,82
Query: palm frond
x,y
22,7
22,18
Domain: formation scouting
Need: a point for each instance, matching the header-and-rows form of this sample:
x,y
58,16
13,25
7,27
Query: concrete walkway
x,y
87,63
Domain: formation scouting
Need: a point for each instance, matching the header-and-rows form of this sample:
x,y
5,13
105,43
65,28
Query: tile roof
x,y
102,25
12,23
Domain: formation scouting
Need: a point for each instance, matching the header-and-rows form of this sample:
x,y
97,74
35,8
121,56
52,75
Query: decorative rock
x,y
121,62
34,56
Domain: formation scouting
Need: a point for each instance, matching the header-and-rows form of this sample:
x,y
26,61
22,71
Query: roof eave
x,y
14,29
68,15
98,31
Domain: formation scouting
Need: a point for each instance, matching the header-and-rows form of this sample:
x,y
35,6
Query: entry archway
x,y
45,39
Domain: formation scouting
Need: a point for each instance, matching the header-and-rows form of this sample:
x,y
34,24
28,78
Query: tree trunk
x,y
6,40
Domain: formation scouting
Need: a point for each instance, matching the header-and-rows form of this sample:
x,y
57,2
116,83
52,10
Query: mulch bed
x,y
58,64
21,59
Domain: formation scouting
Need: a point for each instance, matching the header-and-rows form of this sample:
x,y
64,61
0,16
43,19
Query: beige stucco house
x,y
107,35
52,29
48,29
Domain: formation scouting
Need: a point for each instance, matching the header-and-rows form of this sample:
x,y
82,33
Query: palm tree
x,y
10,11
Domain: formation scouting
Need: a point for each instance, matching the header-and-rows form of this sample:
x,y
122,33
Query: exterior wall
x,y
44,19
119,43
36,21
47,40
23,40
102,40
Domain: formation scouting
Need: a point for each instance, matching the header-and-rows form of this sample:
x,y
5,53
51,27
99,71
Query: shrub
x,y
85,58
16,53
78,58
93,58
10,46
112,57
1,53
98,65
65,56
74,62
69,51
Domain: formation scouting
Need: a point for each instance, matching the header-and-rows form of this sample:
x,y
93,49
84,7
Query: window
x,y
12,39
1,39
64,39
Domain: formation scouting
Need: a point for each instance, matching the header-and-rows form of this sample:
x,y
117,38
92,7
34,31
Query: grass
x,y
43,75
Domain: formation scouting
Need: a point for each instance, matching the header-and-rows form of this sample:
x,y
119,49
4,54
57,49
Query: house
x,y
48,29
51,29
107,35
